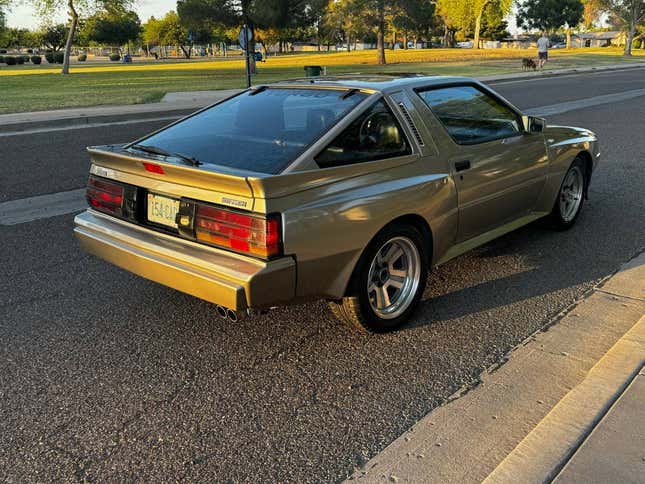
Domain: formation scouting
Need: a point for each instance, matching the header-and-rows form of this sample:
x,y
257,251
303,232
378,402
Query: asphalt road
x,y
106,376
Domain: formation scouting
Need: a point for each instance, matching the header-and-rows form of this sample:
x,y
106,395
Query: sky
x,y
24,16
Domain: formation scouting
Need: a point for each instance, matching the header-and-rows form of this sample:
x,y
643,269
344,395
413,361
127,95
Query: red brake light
x,y
104,195
243,233
152,168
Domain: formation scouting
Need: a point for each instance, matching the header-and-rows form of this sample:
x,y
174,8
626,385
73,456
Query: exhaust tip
x,y
221,310
232,315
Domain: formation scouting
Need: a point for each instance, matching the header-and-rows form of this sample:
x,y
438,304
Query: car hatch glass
x,y
257,131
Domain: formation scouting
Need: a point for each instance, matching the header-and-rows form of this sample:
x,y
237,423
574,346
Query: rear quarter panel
x,y
327,226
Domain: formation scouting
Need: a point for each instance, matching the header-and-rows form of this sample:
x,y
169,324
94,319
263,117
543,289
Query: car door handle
x,y
462,165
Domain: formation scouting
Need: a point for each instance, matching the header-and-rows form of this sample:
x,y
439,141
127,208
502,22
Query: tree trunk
x,y
478,25
70,36
186,52
380,36
568,37
405,41
630,35
393,40
446,36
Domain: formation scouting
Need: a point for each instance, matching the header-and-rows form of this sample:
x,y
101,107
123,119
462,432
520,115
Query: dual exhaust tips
x,y
229,314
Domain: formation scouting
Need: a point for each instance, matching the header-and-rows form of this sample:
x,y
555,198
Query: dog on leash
x,y
528,64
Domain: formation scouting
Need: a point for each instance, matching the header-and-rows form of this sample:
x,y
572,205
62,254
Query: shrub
x,y
115,57
50,57
1,59
36,59
30,51
82,57
25,58
10,60
20,59
59,57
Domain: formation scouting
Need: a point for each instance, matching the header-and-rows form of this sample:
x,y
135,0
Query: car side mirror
x,y
533,124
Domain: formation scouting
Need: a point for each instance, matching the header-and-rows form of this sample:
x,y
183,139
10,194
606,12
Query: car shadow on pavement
x,y
522,267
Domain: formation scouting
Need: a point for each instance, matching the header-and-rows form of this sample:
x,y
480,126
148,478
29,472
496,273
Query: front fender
x,y
564,144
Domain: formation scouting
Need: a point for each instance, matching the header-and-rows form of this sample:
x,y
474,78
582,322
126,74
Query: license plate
x,y
162,210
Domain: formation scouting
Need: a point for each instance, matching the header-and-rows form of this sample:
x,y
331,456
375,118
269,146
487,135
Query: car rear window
x,y
262,131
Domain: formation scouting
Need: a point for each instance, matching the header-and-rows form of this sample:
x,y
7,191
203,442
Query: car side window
x,y
470,115
374,135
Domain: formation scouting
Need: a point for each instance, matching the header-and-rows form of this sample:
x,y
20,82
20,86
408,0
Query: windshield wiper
x,y
155,150
188,159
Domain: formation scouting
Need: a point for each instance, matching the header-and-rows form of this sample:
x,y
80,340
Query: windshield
x,y
262,131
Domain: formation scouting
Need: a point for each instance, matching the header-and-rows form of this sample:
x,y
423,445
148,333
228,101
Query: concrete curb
x,y
468,438
182,103
545,451
19,122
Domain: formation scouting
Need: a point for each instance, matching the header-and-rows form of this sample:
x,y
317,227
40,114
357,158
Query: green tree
x,y
480,7
455,15
592,11
168,31
13,37
54,36
47,8
114,27
466,15
627,15
550,15
344,21
416,18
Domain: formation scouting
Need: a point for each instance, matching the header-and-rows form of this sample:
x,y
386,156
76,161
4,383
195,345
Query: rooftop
x,y
375,82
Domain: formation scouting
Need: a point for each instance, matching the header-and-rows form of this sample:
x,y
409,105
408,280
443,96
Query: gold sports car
x,y
346,189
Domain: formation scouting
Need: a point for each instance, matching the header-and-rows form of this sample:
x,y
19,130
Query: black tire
x,y
558,220
356,310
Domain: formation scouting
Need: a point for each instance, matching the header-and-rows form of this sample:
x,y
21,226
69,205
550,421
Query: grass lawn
x,y
35,88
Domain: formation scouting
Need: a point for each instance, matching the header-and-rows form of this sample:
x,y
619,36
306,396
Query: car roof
x,y
375,82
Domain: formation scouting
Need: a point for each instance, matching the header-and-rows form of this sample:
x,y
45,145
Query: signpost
x,y
245,38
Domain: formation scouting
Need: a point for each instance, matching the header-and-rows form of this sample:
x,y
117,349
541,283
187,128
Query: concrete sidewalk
x,y
568,405
177,104
615,450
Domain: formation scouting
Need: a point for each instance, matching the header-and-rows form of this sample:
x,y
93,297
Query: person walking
x,y
543,49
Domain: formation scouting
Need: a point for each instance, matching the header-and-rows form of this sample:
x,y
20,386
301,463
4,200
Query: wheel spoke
x,y
382,298
393,254
386,296
396,272
395,281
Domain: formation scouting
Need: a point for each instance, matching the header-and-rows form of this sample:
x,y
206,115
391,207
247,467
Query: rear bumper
x,y
231,280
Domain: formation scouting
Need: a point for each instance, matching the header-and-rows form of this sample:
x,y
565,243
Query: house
x,y
598,39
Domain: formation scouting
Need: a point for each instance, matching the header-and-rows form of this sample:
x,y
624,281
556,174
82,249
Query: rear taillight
x,y
105,195
249,234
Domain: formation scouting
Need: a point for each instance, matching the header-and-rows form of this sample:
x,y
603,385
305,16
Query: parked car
x,y
347,189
